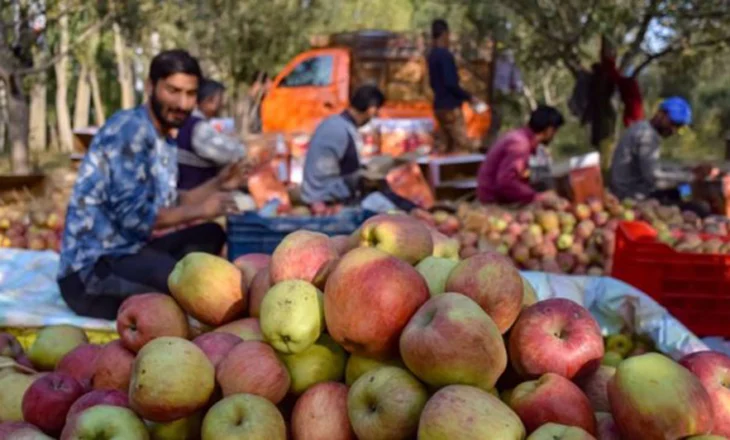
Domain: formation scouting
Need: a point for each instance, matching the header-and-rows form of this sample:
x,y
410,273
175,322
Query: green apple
x,y
187,428
323,361
386,403
436,271
292,316
244,416
13,388
53,343
554,431
612,359
105,422
358,365
171,379
652,396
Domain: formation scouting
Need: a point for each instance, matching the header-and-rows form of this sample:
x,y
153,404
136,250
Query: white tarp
x,y
29,297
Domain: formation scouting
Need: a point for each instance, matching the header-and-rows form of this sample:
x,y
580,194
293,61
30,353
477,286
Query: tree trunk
x,y
124,69
99,117
61,67
37,140
83,98
18,133
3,116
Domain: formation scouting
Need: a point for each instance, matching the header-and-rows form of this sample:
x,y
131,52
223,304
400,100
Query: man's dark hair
x,y
366,97
438,28
545,117
208,88
170,62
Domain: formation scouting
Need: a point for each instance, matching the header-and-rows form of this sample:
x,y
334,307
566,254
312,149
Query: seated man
x,y
504,175
202,150
635,168
126,188
332,172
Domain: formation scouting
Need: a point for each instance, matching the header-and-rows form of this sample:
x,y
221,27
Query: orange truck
x,y
318,82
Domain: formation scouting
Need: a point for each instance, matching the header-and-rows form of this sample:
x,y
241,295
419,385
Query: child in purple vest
x,y
202,150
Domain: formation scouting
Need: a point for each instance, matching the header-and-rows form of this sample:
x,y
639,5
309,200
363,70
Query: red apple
x,y
713,370
252,367
493,282
47,401
344,243
552,399
558,336
251,264
80,363
596,387
113,367
652,398
369,299
142,318
216,345
321,413
260,284
468,413
451,340
303,255
97,397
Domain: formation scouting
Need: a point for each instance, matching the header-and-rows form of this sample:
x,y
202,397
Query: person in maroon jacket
x,y
504,175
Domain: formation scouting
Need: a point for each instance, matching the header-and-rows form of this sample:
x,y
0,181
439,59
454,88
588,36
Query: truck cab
x,y
318,82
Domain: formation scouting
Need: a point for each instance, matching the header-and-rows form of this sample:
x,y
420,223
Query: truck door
x,y
311,87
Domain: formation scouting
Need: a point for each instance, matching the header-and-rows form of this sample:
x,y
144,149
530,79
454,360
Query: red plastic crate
x,y
694,288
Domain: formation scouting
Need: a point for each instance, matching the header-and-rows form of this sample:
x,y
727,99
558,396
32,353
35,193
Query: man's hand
x,y
218,204
235,175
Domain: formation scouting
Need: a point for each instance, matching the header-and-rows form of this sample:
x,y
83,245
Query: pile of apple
x,y
383,335
559,237
37,227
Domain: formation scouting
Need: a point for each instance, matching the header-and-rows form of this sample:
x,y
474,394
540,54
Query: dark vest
x,y
193,170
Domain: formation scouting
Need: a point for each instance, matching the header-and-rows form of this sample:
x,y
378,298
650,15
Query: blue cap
x,y
678,110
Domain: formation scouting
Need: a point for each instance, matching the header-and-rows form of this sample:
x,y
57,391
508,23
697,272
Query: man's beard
x,y
157,109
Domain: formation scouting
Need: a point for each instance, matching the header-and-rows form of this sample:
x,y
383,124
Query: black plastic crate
x,y
251,233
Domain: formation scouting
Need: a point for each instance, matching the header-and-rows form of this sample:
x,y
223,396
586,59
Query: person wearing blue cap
x,y
635,171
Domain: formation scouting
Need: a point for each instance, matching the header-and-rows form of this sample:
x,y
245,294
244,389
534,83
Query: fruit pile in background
x,y
35,222
386,334
560,237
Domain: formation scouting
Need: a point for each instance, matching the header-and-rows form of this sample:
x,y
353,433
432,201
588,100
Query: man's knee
x,y
213,233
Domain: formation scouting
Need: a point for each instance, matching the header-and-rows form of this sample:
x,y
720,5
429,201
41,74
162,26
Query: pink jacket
x,y
504,175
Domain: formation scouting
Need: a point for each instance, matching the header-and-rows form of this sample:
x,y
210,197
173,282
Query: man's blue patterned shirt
x,y
127,175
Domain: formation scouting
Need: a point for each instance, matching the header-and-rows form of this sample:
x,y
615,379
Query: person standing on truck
x,y
448,95
504,175
332,169
127,187
202,150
